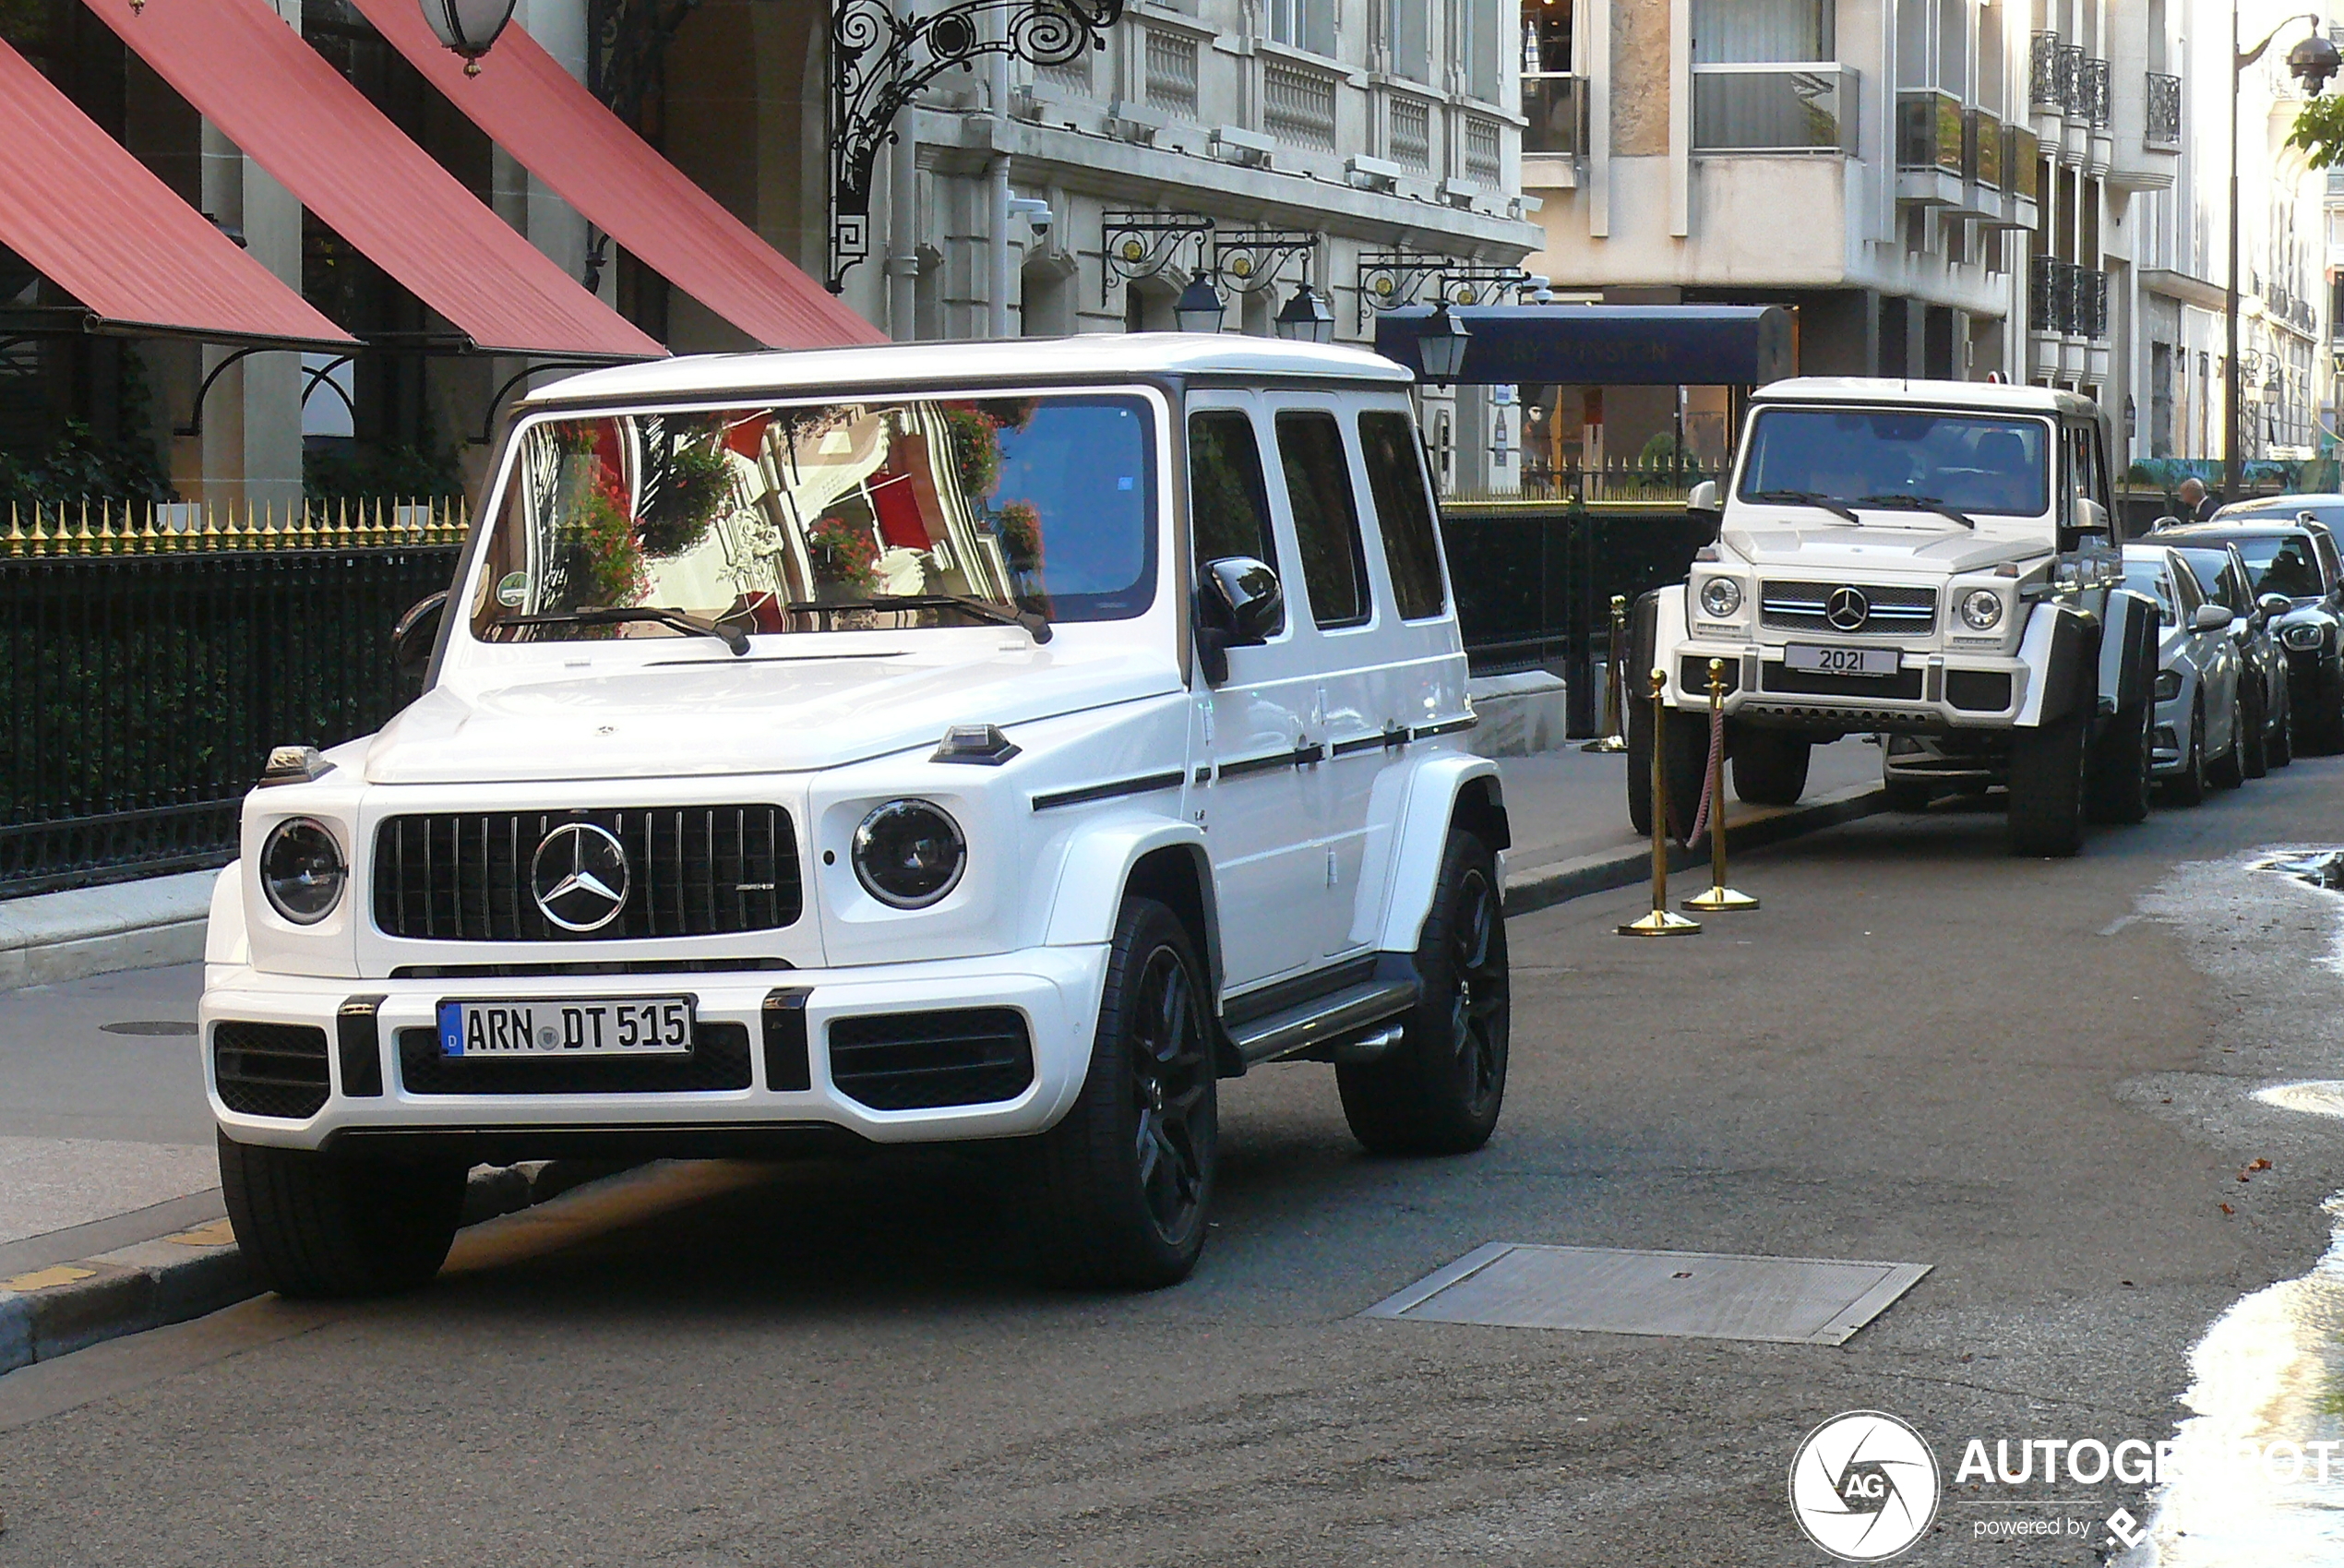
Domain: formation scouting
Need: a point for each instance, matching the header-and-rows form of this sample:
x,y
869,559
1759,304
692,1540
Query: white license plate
x,y
1841,661
597,1026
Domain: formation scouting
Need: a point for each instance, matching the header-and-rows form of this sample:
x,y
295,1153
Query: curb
x,y
1546,886
54,937
63,1308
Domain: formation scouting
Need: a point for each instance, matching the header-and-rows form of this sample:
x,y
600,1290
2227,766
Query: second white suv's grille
x,y
1856,609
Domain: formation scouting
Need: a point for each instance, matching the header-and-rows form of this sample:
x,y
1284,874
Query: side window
x,y
1228,506
1326,518
2323,544
1395,480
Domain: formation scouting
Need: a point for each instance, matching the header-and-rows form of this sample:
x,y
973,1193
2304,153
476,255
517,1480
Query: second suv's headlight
x,y
2303,636
1982,609
909,854
302,870
1720,598
2169,685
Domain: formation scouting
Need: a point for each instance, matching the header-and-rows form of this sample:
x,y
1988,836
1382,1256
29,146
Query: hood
x,y
1911,544
750,715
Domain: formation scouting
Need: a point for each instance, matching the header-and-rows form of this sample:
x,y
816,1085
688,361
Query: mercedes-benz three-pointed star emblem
x,y
1847,608
579,876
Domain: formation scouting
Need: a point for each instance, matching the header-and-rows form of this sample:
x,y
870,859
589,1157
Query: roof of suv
x,y
2269,505
1091,356
1996,395
2214,530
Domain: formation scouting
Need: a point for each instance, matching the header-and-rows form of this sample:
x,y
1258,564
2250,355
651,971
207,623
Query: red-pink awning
x,y
296,116
553,127
97,222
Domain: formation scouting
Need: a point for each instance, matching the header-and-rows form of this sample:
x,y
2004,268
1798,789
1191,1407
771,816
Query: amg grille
x,y
691,871
1806,606
918,1061
270,1069
719,1060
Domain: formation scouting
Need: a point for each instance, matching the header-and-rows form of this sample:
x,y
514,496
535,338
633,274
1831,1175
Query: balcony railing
x,y
2071,82
1932,133
2067,300
2043,73
1556,107
2021,151
2162,130
1808,107
2091,85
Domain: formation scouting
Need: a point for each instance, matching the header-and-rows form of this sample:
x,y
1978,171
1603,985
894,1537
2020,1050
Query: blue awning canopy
x,y
1614,345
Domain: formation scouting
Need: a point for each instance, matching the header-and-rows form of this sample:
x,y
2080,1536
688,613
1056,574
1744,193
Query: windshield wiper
x,y
1903,503
1036,626
1803,498
615,615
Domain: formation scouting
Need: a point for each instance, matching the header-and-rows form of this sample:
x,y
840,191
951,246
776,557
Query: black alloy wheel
x,y
1439,1090
1122,1186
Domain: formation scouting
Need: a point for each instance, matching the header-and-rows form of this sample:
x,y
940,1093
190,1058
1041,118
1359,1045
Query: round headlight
x,y
1720,598
302,870
909,854
2304,635
1982,608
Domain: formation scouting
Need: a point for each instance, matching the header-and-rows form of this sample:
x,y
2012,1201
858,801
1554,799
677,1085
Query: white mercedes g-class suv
x,y
1931,561
903,744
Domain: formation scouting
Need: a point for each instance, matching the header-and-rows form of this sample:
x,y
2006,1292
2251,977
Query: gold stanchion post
x,y
1720,898
1662,921
1615,679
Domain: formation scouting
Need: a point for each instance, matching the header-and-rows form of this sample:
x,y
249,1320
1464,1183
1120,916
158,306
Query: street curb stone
x,y
174,1278
1542,887
51,937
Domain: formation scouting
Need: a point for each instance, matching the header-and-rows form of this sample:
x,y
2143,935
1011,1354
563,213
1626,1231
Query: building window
x,y
1408,35
1553,97
1303,24
1487,38
1754,31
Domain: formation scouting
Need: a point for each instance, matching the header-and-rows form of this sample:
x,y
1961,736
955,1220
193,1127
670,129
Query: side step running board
x,y
1352,1011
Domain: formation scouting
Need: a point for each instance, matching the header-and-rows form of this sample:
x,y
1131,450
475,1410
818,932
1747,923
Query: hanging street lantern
x,y
468,27
1306,318
1441,346
1199,307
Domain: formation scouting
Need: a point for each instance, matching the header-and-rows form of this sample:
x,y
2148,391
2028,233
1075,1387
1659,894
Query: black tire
x,y
314,1225
1122,1186
1687,759
1770,766
2281,746
1907,794
1441,1088
2188,786
2116,787
2254,740
2047,789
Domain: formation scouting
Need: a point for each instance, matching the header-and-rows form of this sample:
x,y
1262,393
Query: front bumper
x,y
1932,691
1055,990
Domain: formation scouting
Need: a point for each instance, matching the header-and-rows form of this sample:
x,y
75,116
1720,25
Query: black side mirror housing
x,y
2274,604
1241,603
417,633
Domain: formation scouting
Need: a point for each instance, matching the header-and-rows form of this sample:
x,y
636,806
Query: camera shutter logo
x,y
1847,608
579,876
1864,1486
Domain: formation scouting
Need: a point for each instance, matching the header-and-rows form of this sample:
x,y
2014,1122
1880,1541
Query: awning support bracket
x,y
497,399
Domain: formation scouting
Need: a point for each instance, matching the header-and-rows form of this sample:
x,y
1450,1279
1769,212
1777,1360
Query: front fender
x,y
224,939
2055,651
1424,838
2128,651
1098,864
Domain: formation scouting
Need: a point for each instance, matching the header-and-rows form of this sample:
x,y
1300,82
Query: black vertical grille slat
x,y
692,871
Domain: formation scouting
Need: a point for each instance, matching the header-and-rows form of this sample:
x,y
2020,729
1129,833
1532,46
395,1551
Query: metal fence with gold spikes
x,y
174,528
149,657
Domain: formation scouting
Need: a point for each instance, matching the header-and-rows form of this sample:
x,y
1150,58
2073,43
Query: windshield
x,y
815,517
1974,463
2280,563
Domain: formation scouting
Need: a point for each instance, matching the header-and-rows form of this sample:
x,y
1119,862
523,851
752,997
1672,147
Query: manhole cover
x,y
150,1026
1611,1290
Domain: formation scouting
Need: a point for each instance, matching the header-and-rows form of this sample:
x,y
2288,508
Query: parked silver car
x,y
2270,711
2196,739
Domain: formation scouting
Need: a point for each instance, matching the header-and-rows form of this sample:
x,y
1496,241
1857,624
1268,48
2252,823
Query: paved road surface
x,y
1919,1050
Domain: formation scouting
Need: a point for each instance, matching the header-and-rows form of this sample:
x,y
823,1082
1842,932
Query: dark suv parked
x,y
2292,554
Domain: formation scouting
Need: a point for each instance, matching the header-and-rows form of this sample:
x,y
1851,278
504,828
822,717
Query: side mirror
x,y
1704,500
2210,617
2090,515
1239,605
2274,604
2167,520
417,634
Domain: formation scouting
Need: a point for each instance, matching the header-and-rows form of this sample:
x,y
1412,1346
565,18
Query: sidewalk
x,y
111,1219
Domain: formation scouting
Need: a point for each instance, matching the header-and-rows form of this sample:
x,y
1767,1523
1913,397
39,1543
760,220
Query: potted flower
x,y
846,560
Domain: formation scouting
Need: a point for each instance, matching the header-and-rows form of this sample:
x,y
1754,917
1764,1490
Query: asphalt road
x,y
2030,1075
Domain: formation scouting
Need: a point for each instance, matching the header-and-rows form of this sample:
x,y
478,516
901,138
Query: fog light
x,y
2169,685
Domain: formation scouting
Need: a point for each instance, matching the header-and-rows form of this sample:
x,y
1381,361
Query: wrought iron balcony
x,y
2043,73
2161,132
2063,299
1805,107
2071,102
2092,84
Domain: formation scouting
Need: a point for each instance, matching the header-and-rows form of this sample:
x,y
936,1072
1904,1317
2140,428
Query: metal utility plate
x,y
1615,1291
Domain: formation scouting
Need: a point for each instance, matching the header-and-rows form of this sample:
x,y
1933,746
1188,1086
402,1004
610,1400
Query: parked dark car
x,y
2222,572
2292,555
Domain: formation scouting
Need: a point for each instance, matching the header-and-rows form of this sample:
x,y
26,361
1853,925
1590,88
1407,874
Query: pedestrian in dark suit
x,y
2196,505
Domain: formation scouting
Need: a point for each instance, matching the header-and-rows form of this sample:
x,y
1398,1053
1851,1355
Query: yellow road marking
x,y
218,1233
48,1278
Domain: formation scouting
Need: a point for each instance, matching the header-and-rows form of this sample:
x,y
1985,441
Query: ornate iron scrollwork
x,y
1141,244
881,62
1389,279
1252,260
1481,286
